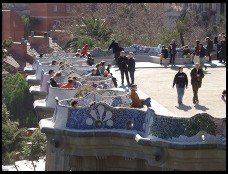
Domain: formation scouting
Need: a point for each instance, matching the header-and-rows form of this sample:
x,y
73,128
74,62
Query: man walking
x,y
181,81
196,81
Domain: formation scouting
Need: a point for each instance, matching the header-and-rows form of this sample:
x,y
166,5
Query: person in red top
x,y
68,85
85,50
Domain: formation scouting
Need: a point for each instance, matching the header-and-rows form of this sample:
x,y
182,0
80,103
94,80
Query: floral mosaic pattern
x,y
101,116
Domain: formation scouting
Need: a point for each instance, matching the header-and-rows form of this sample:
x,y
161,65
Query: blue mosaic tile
x,y
107,118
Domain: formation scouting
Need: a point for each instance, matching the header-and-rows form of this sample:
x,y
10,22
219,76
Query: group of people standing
x,y
125,63
200,52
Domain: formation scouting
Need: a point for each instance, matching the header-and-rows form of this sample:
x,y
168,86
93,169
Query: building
x,y
12,26
51,16
20,8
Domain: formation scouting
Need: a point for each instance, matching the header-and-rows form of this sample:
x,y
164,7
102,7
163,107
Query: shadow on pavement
x,y
200,107
184,107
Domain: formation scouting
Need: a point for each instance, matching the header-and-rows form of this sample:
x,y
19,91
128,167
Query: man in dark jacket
x,y
172,51
122,63
131,67
181,81
116,49
209,48
196,81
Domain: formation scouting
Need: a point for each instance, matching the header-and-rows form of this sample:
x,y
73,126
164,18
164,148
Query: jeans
x,y
147,102
172,58
201,59
180,93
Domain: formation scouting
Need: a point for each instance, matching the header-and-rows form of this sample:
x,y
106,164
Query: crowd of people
x,y
126,65
200,54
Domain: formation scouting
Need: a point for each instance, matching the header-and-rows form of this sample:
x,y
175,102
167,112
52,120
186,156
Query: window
x,y
55,8
56,23
68,8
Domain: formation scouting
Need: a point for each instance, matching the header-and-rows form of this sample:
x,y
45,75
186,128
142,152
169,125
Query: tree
x,y
6,44
37,148
13,138
18,100
96,28
27,28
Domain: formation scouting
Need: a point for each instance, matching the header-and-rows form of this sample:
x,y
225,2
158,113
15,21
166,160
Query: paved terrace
x,y
156,80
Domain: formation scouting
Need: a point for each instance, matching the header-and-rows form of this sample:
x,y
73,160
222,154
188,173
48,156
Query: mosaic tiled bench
x,y
40,91
112,97
46,106
201,128
36,78
47,61
82,70
134,136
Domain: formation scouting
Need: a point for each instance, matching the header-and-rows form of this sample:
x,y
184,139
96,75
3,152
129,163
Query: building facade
x,y
12,26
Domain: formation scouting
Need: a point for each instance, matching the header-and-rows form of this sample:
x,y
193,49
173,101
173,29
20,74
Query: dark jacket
x,y
53,83
186,51
98,72
115,47
202,52
209,45
131,64
173,49
165,52
194,78
122,63
181,79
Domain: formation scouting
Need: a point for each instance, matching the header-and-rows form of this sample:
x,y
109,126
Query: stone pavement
x,y
156,80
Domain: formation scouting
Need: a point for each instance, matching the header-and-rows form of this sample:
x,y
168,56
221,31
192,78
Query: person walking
x,y
116,49
209,48
164,54
196,81
131,67
202,56
172,51
136,101
181,81
122,63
